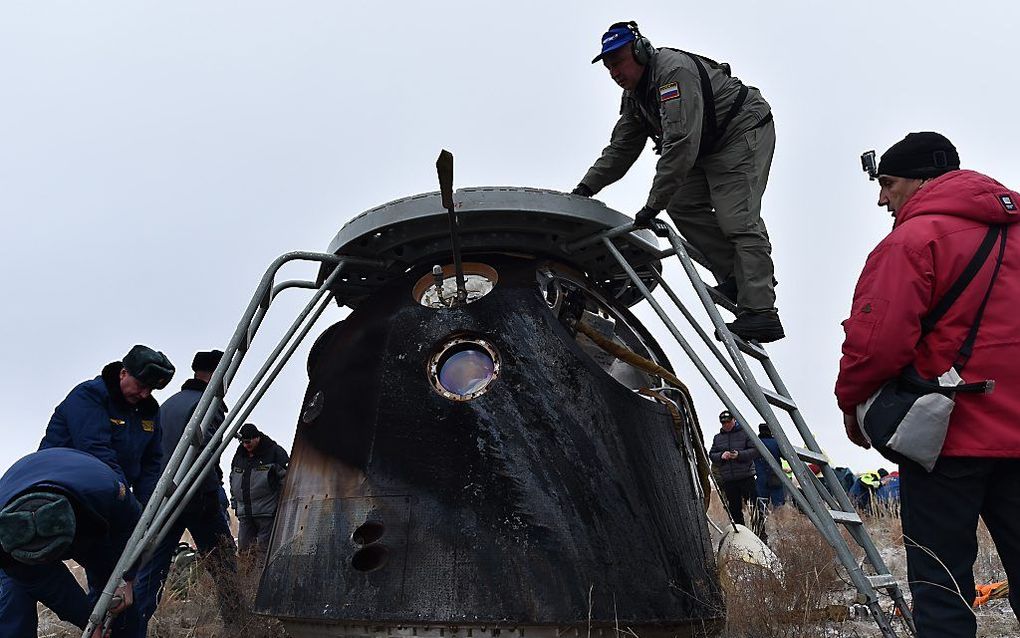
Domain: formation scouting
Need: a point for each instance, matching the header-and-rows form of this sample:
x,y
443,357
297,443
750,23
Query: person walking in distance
x,y
256,478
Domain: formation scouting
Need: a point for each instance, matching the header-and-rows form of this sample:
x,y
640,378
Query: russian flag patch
x,y
669,92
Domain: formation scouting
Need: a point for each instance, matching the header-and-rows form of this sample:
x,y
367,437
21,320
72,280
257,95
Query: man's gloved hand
x,y
660,228
582,190
123,597
644,217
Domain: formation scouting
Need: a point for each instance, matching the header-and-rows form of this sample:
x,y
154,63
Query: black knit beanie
x,y
206,361
920,156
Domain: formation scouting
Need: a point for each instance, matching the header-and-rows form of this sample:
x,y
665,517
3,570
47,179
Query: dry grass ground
x,y
759,604
814,585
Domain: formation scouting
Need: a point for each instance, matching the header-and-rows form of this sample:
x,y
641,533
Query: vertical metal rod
x,y
163,530
826,525
222,438
709,304
176,500
834,485
217,387
751,387
444,167
216,402
709,378
697,327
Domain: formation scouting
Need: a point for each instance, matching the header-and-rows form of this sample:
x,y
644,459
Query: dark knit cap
x,y
206,361
920,156
764,431
37,528
149,366
248,431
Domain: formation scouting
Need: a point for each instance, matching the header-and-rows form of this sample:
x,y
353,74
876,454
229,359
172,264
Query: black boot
x,y
763,327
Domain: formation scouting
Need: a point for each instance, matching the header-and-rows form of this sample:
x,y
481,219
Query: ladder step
x,y
779,400
751,349
882,580
847,518
811,457
721,300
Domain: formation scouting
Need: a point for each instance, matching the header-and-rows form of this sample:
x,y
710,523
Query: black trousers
x,y
940,513
737,493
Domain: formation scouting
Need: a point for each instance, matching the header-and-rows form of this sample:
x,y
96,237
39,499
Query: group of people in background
x,y
80,496
746,480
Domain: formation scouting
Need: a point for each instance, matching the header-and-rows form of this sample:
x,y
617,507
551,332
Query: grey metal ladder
x,y
823,501
195,456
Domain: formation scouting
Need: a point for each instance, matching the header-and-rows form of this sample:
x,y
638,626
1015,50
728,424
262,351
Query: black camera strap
x,y
961,283
915,381
909,378
968,344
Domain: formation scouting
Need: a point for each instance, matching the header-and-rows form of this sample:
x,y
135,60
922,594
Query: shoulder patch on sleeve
x,y
669,92
1007,203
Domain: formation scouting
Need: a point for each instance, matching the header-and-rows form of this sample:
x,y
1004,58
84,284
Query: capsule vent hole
x,y
371,558
368,532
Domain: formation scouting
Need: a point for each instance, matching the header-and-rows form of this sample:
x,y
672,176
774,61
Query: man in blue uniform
x,y
204,516
61,504
115,419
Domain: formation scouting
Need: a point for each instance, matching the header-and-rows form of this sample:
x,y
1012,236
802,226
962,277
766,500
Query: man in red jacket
x,y
941,216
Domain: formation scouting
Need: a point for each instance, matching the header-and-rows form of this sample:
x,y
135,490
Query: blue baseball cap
x,y
616,37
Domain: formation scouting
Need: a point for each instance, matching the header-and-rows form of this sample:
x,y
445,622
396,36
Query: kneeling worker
x,y
715,138
61,504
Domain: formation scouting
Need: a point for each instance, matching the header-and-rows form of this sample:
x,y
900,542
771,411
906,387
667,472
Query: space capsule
x,y
481,466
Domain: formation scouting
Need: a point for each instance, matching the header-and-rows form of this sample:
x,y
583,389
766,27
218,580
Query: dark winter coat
x,y
936,233
104,509
95,418
739,468
255,480
174,415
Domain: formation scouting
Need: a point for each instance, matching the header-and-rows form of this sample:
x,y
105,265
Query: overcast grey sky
x,y
155,158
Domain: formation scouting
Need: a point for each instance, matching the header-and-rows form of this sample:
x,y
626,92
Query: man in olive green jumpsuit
x,y
715,138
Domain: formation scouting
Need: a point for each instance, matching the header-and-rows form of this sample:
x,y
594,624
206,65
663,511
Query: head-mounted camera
x,y
869,164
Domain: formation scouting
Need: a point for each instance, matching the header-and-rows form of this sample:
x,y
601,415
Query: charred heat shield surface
x,y
556,496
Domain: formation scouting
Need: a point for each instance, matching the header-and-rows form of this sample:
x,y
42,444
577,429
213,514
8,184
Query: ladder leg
x,y
823,500
156,513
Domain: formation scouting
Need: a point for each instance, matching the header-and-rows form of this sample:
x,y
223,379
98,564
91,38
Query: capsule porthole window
x,y
463,368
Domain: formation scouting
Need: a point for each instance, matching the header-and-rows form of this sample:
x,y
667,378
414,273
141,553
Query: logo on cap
x,y
609,38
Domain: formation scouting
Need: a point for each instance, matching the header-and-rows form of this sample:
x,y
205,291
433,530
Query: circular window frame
x,y
477,269
458,343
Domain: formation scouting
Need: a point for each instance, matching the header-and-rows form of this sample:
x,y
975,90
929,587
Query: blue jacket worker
x,y
60,504
204,516
770,487
115,419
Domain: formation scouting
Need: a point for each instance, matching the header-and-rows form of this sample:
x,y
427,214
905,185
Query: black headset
x,y
642,46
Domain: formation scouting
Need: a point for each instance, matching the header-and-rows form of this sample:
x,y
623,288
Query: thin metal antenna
x,y
444,166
